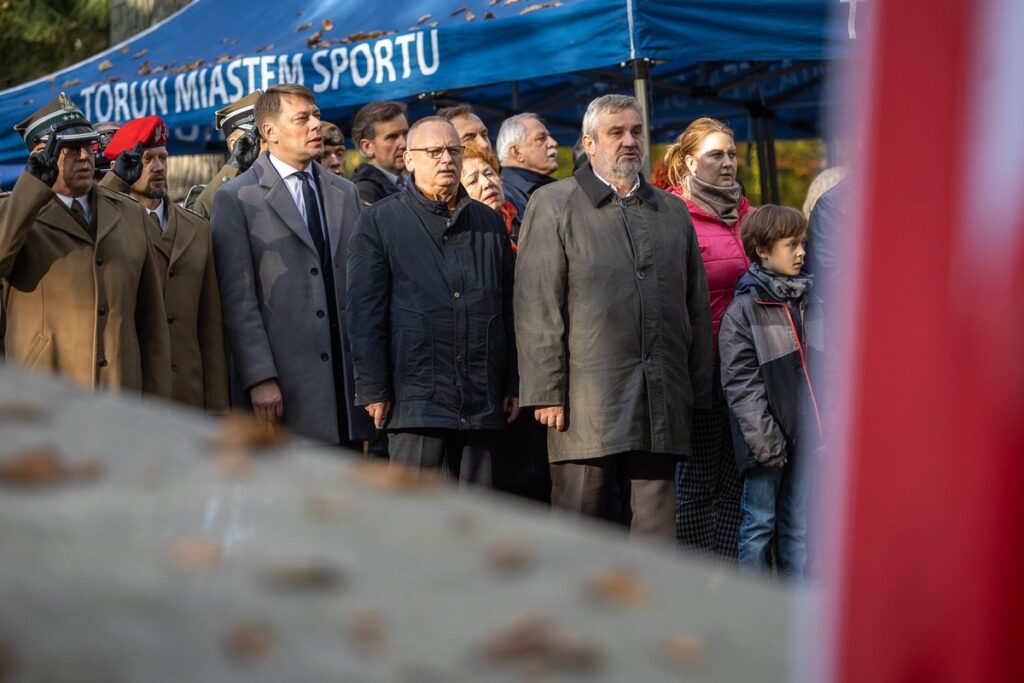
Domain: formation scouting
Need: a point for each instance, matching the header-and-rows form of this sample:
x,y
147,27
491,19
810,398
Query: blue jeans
x,y
774,505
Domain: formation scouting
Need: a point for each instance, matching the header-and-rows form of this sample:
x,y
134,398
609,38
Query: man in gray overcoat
x,y
613,324
280,237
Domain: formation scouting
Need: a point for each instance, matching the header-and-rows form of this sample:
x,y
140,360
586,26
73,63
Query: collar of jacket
x,y
599,192
462,200
524,179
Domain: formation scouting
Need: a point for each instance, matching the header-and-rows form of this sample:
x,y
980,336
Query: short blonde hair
x,y
686,145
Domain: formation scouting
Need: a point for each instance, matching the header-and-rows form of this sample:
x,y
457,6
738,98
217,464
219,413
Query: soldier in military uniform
x,y
183,250
333,158
81,288
237,122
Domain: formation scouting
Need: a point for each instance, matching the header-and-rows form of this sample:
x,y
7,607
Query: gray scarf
x,y
781,287
723,202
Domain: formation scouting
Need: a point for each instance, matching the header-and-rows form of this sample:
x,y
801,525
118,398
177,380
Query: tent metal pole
x,y
641,87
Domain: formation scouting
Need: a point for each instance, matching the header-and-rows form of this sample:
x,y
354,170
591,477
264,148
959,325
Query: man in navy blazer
x,y
280,234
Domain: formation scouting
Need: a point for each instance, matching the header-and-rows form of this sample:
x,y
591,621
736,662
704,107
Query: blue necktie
x,y
313,223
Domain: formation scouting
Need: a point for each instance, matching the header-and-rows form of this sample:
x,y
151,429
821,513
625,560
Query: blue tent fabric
x,y
555,54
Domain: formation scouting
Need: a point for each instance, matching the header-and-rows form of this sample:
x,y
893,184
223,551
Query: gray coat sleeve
x,y
698,306
251,353
541,278
744,388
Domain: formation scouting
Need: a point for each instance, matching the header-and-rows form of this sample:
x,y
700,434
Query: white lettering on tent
x,y
121,110
361,79
134,89
201,80
186,93
218,92
290,73
104,111
266,73
322,70
424,69
403,42
158,96
339,63
86,97
187,133
250,63
235,81
383,50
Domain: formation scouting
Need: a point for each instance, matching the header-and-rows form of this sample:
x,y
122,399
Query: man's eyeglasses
x,y
438,152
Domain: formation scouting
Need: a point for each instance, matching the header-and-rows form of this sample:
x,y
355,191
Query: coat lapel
x,y
107,215
184,233
334,208
56,215
280,201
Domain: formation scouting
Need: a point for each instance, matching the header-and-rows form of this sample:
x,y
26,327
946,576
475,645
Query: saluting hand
x,y
43,164
244,152
128,165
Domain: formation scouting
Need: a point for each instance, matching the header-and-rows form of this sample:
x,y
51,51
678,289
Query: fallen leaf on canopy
x,y
368,630
511,555
16,412
314,38
105,65
40,466
303,27
683,650
326,507
243,432
125,50
422,19
545,5
470,16
195,553
539,643
265,48
141,53
328,25
70,84
397,478
252,640
489,15
460,10
618,587
314,577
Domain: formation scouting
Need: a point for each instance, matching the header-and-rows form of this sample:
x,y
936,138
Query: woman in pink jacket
x,y
701,167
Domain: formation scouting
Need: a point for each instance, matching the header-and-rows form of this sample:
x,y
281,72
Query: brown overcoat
x,y
184,260
90,309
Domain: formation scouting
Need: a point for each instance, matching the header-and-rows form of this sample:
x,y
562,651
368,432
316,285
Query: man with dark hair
x,y
183,251
280,236
81,290
468,125
430,313
528,155
379,131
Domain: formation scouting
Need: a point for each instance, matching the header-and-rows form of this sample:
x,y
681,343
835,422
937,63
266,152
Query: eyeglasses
x,y
438,152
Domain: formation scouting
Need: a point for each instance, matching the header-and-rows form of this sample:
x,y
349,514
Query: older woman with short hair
x,y
701,167
481,176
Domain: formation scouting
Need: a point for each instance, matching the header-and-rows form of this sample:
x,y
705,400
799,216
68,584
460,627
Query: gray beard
x,y
626,170
150,193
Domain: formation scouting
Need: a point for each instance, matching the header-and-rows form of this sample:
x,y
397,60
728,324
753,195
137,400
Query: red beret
x,y
150,131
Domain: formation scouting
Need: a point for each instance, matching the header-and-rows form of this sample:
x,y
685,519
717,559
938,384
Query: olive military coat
x,y
184,258
88,308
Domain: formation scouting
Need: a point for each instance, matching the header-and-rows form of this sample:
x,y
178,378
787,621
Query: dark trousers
x,y
467,456
644,481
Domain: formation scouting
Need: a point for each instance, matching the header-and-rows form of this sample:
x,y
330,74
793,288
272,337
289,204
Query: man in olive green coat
x,y
613,324
183,250
81,289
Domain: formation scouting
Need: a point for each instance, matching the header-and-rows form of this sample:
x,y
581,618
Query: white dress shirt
x,y
294,182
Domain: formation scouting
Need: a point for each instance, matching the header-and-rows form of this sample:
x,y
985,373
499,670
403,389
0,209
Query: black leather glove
x,y
43,164
128,165
244,152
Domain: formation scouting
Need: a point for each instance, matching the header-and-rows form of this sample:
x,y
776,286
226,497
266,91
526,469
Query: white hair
x,y
512,132
605,103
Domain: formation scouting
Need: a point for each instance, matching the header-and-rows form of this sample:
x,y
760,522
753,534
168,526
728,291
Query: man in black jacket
x,y
528,155
379,130
429,307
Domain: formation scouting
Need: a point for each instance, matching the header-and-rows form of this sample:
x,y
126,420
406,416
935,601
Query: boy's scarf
x,y
781,287
723,202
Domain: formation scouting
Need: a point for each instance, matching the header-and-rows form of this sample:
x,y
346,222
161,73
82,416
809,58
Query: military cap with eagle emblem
x,y
240,114
59,115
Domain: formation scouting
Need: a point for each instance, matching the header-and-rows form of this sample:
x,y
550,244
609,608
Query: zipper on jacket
x,y
803,360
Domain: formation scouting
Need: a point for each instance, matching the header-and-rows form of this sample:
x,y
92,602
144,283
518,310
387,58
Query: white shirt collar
x,y
285,169
83,200
636,183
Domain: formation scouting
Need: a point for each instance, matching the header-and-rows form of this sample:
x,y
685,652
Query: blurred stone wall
x,y
127,18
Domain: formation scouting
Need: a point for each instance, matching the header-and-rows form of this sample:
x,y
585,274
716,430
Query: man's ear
x,y
365,147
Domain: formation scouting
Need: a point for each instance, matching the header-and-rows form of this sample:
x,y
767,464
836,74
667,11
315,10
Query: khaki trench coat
x,y
184,260
612,318
90,309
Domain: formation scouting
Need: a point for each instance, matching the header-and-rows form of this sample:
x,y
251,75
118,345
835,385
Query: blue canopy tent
x,y
758,63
